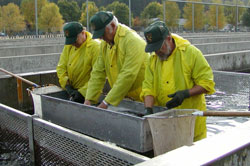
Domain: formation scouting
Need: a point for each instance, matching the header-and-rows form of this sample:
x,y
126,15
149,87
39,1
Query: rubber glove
x,y
178,98
77,97
69,89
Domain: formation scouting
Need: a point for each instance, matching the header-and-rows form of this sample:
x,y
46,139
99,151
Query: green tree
x,y
246,18
120,10
28,10
172,14
212,15
92,9
69,10
230,12
102,8
153,10
50,19
198,15
12,19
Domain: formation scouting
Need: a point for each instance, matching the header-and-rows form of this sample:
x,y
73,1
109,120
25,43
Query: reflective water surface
x,y
232,92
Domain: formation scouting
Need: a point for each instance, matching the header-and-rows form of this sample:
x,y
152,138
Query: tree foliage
x,y
172,14
28,10
152,10
212,15
12,19
92,9
246,18
69,10
230,12
198,15
50,19
120,10
137,6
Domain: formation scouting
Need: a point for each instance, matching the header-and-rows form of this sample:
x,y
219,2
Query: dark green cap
x,y
99,21
155,34
71,30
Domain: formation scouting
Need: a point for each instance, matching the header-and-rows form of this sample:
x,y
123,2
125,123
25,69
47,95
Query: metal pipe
x,y
87,14
36,18
193,17
237,12
129,4
164,11
31,140
217,25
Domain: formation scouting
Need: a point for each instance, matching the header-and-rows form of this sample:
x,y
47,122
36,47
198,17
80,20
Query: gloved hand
x,y
148,111
69,89
178,98
77,97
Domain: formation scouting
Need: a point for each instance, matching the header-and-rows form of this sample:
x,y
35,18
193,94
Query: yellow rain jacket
x,y
75,64
124,66
183,69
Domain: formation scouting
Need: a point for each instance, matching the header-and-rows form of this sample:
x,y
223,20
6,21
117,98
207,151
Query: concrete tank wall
x,y
30,50
218,39
30,63
211,48
8,85
229,61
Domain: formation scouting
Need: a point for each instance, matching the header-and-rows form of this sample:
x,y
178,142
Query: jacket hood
x,y
180,42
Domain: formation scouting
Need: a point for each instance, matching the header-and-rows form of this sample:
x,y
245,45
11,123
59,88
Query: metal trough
x,y
113,125
39,142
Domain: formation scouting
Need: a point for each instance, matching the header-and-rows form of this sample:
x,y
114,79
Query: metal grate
x,y
56,149
55,145
14,135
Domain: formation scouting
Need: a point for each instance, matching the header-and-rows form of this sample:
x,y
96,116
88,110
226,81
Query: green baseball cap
x,y
155,34
99,21
71,30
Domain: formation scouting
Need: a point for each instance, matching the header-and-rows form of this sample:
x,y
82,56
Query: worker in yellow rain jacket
x,y
122,60
76,61
177,74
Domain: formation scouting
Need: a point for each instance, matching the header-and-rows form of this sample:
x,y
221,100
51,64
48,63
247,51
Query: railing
x,y
32,36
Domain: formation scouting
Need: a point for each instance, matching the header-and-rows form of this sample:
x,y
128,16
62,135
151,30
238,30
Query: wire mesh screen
x,y
232,92
14,136
56,149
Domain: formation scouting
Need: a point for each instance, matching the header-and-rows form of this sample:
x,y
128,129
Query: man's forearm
x,y
196,90
149,101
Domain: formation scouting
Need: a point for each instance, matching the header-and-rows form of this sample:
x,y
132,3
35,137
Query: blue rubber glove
x,y
178,98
